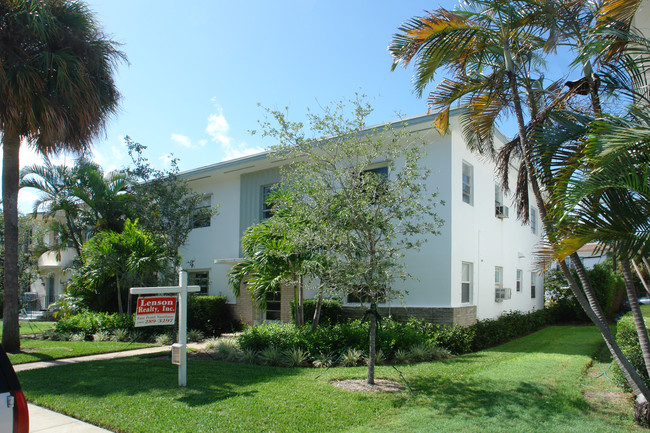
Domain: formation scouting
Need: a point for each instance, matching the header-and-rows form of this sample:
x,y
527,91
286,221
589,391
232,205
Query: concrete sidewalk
x,y
46,421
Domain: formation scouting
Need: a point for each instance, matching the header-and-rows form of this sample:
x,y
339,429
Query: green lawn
x,y
46,350
27,327
535,383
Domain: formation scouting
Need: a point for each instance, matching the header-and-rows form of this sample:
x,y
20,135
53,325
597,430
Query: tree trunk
x,y
319,303
10,175
639,323
119,295
372,345
300,310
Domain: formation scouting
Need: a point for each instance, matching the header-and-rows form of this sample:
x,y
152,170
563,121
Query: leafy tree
x,y
359,219
56,92
112,261
164,202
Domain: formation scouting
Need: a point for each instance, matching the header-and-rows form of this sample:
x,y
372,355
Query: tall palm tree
x,y
493,48
56,92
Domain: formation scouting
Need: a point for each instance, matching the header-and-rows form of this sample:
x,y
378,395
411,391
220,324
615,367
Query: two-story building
x,y
481,265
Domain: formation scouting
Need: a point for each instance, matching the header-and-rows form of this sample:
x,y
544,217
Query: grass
x,y
47,350
531,384
27,328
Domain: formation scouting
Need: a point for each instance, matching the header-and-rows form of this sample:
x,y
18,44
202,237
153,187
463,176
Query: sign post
x,y
182,290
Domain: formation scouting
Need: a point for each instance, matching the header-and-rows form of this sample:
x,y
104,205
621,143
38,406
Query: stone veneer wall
x,y
464,316
245,311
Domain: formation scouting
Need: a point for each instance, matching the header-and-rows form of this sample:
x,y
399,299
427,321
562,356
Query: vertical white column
x,y
182,327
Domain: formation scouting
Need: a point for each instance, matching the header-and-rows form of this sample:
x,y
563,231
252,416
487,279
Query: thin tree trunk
x,y
10,179
639,323
372,345
592,308
119,295
647,266
640,275
319,303
300,311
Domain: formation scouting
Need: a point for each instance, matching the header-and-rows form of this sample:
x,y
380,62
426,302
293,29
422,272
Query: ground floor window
x,y
533,285
273,306
199,278
466,283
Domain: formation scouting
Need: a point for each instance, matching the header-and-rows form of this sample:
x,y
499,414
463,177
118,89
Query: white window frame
x,y
498,277
533,285
533,220
520,280
467,282
266,211
192,280
467,183
206,203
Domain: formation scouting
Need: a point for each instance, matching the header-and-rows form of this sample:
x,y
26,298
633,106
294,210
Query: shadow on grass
x,y
208,381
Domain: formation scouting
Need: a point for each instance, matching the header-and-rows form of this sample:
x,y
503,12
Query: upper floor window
x,y
520,279
201,216
533,220
500,209
267,208
498,277
468,183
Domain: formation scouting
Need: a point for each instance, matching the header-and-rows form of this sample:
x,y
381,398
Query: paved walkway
x,y
46,421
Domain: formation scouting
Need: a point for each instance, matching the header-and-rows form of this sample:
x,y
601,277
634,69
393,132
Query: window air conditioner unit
x,y
502,212
501,293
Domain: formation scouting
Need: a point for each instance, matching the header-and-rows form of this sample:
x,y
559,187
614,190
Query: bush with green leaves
x,y
210,315
90,323
491,332
628,340
608,286
331,311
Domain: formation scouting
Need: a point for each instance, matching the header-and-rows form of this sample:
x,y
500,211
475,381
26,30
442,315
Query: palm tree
x,y
55,182
492,48
56,93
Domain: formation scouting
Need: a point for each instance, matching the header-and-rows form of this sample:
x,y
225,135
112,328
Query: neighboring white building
x,y
480,266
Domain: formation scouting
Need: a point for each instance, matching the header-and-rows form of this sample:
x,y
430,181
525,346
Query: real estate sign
x,y
155,310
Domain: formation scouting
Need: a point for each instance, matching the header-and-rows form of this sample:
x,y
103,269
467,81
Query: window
x,y
520,278
533,220
201,216
273,306
267,208
375,178
199,278
466,283
468,183
533,285
498,277
500,209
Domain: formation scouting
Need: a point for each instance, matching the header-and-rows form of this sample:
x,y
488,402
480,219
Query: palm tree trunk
x,y
639,323
10,179
372,345
591,307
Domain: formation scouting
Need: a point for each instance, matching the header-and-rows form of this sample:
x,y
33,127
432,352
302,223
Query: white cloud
x,y
218,129
183,140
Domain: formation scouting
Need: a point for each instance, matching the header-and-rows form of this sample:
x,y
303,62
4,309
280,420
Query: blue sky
x,y
198,69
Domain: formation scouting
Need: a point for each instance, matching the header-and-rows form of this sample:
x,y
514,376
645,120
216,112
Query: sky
x,y
197,71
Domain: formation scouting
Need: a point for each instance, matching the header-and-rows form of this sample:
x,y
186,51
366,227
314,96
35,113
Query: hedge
x,y
331,311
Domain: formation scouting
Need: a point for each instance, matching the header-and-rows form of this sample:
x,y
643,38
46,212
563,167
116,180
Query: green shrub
x,y
562,305
628,340
210,315
331,311
90,323
491,332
